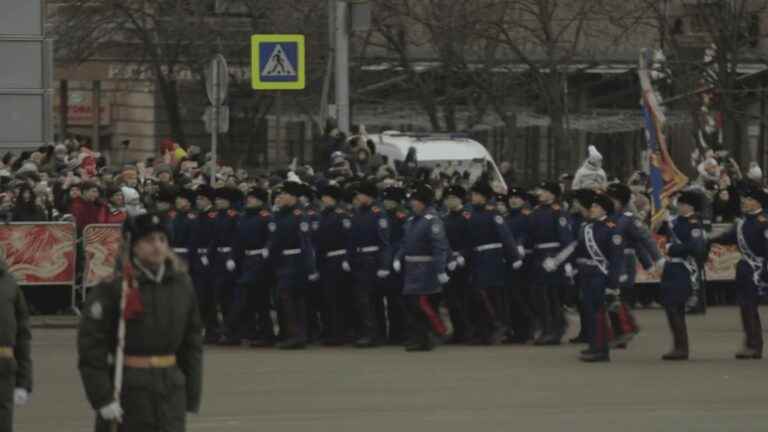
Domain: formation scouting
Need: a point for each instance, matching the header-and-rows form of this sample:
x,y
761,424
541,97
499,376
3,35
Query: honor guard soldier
x,y
456,223
422,258
550,232
600,260
161,340
370,258
253,283
15,359
521,314
687,250
331,240
201,268
388,302
292,256
494,250
750,233
638,245
581,206
226,232
182,225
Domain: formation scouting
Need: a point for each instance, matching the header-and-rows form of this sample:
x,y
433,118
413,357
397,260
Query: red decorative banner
x,y
39,253
102,247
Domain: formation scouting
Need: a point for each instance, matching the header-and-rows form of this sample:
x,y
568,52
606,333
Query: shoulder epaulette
x,y
211,215
467,215
232,212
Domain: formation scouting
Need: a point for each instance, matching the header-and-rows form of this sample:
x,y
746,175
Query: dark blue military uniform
x,y
549,233
751,235
203,236
520,311
331,241
423,256
253,283
600,261
457,289
182,224
224,259
292,256
388,300
370,257
494,251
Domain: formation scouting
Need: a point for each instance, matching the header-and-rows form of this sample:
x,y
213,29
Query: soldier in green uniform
x,y
163,339
15,361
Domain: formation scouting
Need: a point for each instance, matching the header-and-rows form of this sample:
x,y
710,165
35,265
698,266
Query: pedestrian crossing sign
x,y
278,62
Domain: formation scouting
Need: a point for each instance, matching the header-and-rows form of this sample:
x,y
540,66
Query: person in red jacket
x,y
87,208
114,212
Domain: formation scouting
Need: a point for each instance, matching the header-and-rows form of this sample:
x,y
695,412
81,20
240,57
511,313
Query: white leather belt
x,y
587,261
489,246
551,245
368,249
181,250
418,258
629,251
289,252
677,260
336,253
202,251
224,249
254,252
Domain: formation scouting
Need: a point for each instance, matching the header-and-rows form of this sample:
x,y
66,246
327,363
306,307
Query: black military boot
x,y
365,342
595,356
676,320
753,330
294,343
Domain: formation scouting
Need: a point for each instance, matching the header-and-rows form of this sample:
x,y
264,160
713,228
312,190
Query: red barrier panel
x,y
102,247
39,253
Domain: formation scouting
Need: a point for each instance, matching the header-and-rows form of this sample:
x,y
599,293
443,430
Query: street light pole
x,y
342,66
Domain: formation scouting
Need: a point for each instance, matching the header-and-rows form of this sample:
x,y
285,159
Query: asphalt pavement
x,y
469,389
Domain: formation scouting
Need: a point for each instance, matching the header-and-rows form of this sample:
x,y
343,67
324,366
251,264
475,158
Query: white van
x,y
448,152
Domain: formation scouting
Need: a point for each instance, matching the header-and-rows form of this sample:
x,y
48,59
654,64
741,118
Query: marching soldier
x,y
550,232
370,258
750,234
493,251
15,359
201,255
521,315
224,264
251,249
182,225
638,245
456,223
293,258
687,249
391,314
422,259
163,343
600,260
331,240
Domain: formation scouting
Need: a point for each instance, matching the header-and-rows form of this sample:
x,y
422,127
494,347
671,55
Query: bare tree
x,y
165,37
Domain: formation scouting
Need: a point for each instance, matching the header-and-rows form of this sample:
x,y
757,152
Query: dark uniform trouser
x,y
291,294
521,315
365,282
423,317
206,293
486,302
597,330
390,317
334,281
7,385
546,298
254,300
456,291
226,281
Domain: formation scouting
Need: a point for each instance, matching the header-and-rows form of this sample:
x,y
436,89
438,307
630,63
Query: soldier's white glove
x,y
569,272
452,266
382,274
443,278
345,266
112,412
517,265
20,397
397,266
549,265
314,277
204,260
231,266
461,261
265,254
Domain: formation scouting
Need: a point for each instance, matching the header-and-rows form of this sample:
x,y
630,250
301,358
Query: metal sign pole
x,y
215,129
